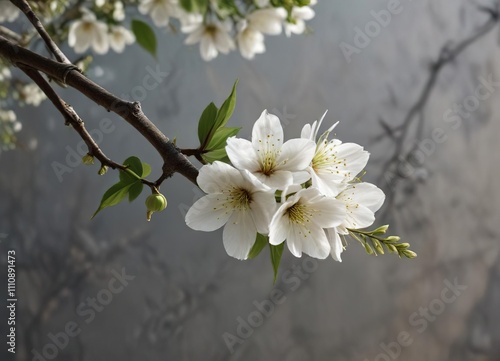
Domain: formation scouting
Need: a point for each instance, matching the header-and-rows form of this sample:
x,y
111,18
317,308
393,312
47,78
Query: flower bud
x,y
381,230
88,159
368,249
393,239
409,254
156,202
103,170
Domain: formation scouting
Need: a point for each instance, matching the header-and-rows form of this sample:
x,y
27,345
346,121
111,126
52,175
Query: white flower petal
x,y
217,177
242,154
208,213
335,244
267,133
263,206
296,154
311,240
239,235
277,180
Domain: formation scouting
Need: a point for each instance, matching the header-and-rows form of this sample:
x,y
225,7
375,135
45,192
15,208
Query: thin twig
x,y
173,160
73,119
51,45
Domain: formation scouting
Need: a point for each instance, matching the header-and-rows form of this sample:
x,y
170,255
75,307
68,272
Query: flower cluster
x,y
100,35
223,26
304,191
9,126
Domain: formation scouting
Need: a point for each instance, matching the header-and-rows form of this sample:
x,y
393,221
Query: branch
x,y
73,119
173,160
26,9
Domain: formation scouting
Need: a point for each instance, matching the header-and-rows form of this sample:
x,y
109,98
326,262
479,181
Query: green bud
x,y
404,245
409,254
393,239
368,249
378,246
381,230
156,202
103,170
88,159
391,248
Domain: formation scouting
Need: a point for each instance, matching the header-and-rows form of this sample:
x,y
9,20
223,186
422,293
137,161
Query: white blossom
x,y
361,200
89,32
118,11
250,41
31,94
189,21
213,38
267,21
119,36
235,199
8,11
301,221
299,16
5,73
160,10
274,162
334,163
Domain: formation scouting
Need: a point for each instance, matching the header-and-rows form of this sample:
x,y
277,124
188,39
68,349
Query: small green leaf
x,y
207,122
135,191
218,154
260,243
227,109
220,137
146,170
145,36
194,5
113,196
134,165
276,253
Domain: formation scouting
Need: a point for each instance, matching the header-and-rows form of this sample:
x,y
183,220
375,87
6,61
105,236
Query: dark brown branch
x,y
26,9
173,160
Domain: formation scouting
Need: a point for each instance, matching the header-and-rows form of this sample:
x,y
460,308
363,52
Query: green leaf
x,y
207,122
113,196
218,154
146,170
194,5
226,110
220,137
134,165
276,253
135,191
145,36
260,243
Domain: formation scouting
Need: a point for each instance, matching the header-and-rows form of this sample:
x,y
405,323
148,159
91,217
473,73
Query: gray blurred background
x,y
187,293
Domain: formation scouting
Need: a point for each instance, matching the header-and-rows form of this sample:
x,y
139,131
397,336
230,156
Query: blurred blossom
x,y
89,32
299,16
160,10
30,94
119,37
118,12
213,38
